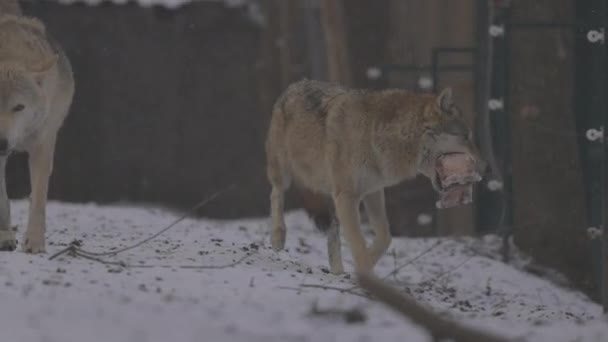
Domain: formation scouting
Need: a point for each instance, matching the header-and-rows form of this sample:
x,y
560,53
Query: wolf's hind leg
x,y
279,179
334,247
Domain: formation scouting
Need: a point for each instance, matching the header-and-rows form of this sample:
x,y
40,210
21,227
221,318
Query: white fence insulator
x,y
425,83
593,134
494,185
497,30
496,104
595,36
594,232
374,73
424,219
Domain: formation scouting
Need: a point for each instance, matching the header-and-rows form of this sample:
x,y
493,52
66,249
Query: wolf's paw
x,y
278,238
336,269
8,242
33,242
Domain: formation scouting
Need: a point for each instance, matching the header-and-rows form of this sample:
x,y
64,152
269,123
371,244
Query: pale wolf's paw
x,y
33,243
278,238
8,242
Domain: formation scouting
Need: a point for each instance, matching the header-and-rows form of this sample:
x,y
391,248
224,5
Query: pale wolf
x,y
351,144
36,89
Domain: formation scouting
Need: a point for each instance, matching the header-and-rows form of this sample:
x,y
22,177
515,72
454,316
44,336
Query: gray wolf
x,y
350,144
36,90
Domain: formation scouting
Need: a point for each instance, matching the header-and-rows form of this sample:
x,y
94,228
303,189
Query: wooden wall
x,y
172,105
415,28
165,111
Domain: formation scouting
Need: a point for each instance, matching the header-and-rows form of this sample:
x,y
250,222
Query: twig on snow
x,y
350,316
218,267
75,249
394,272
348,290
197,267
71,249
448,271
411,261
173,224
438,326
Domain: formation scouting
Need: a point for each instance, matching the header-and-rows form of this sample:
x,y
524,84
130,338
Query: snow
x,y
262,298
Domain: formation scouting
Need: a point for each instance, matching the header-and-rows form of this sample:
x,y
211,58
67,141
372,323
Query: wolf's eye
x,y
18,108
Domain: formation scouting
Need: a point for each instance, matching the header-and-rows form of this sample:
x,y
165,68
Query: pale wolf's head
x,y
445,131
22,101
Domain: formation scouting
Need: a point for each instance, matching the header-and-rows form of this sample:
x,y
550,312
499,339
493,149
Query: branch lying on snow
x,y
350,316
350,290
74,249
217,267
438,326
411,261
77,253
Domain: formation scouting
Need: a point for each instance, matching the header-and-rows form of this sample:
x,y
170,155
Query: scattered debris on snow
x,y
220,281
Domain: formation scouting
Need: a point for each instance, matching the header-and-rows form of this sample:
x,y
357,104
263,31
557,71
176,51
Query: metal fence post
x,y
603,82
592,121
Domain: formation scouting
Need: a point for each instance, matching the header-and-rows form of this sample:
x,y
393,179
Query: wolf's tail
x,y
10,7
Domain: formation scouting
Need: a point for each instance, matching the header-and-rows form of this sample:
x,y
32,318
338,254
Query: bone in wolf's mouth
x,y
441,182
453,169
455,174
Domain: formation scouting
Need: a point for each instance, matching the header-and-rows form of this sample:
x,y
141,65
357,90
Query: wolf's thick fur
x,y
36,90
351,144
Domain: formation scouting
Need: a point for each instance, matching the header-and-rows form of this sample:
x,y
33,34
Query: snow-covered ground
x,y
266,297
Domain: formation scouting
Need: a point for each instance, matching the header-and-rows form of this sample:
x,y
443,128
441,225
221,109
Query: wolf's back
x,y
10,7
308,97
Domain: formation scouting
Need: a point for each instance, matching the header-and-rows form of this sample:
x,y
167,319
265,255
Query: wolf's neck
x,y
397,156
10,7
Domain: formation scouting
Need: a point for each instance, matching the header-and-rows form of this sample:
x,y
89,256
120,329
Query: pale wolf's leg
x,y
8,242
333,247
277,199
376,211
347,210
280,182
41,165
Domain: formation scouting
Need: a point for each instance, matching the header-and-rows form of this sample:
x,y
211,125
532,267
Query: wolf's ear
x,y
41,69
444,100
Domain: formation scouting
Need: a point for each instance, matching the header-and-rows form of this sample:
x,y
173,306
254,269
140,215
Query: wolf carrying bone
x,y
351,144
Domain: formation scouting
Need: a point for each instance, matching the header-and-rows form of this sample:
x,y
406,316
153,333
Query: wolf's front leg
x,y
347,210
376,211
41,165
8,242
